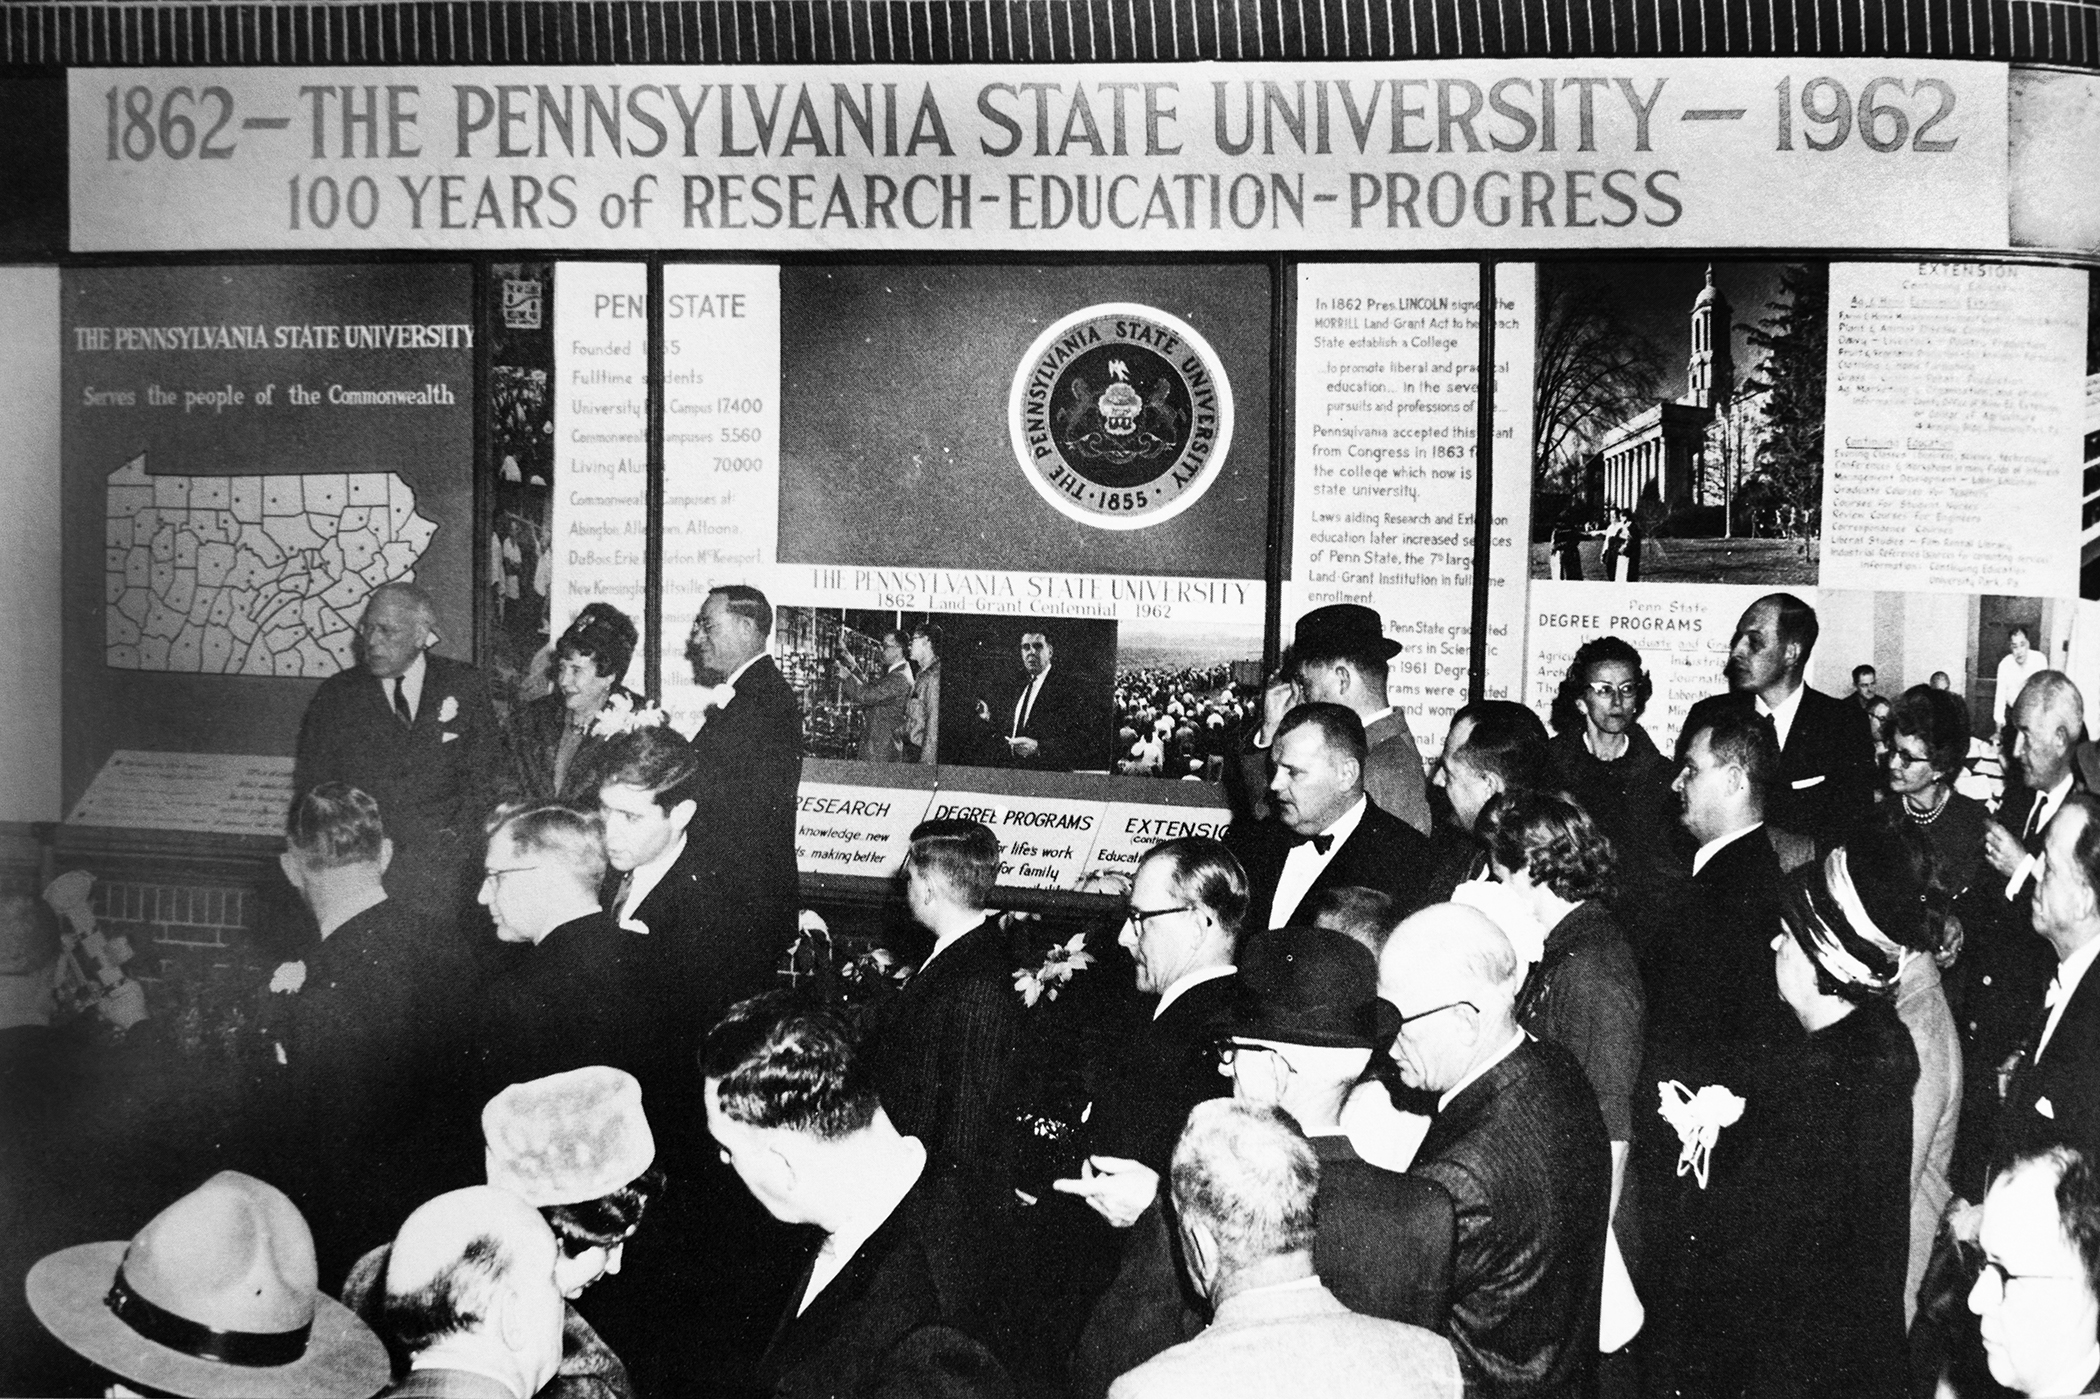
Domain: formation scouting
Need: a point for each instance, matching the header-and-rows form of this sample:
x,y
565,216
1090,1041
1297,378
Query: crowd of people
x,y
1766,1065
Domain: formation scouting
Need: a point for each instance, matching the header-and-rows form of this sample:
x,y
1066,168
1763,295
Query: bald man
x,y
471,1296
1518,1142
416,732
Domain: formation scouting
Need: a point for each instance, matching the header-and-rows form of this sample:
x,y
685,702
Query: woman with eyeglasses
x,y
1928,743
1608,763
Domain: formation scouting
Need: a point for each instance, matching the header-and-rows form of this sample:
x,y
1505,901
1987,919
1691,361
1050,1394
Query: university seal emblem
x,y
1121,416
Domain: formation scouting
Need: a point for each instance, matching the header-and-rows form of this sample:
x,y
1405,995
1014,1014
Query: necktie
x,y
1321,844
1771,726
401,703
1027,703
2034,821
619,899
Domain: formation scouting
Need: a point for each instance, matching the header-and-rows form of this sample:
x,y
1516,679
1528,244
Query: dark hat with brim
x,y
1310,986
213,1299
1341,629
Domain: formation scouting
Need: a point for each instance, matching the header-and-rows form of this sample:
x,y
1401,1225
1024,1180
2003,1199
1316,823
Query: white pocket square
x,y
1805,782
447,738
2045,1108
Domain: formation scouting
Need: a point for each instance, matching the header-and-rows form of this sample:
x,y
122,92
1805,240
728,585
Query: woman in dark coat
x,y
1786,1269
555,738
1606,761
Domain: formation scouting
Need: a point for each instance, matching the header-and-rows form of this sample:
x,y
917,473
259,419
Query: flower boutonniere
x,y
622,715
449,710
288,978
1698,1118
717,696
1060,964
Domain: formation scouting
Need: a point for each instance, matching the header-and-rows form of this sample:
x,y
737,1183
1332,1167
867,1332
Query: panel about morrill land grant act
x,y
1383,496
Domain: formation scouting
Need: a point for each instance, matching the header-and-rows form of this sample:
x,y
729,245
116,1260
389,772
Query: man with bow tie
x,y
749,751
416,732
1326,833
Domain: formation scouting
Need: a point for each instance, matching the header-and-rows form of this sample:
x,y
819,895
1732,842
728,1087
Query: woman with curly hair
x,y
554,738
1928,744
1608,763
1585,992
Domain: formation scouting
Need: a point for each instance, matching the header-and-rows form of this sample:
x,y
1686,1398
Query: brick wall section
x,y
192,925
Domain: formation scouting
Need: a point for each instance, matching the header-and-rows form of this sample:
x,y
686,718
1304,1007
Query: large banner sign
x,y
1517,154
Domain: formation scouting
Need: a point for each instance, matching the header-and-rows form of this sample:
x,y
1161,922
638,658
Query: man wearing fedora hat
x,y
472,1294
1340,654
215,1298
1304,1023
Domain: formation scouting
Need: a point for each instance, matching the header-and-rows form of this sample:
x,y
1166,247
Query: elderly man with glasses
x,y
1520,1146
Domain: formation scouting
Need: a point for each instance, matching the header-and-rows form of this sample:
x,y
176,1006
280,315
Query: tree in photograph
x,y
1794,334
1594,372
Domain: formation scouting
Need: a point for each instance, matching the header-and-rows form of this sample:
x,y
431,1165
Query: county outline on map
x,y
251,575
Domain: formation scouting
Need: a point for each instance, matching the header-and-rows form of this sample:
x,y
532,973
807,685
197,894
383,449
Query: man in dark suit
x,y
898,1298
2054,1093
941,1050
364,1044
2004,968
1711,979
416,732
1492,747
575,995
1518,1144
695,961
1045,726
750,751
1326,833
1826,775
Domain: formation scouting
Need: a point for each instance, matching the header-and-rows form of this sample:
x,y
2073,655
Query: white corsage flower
x,y
449,710
1698,1118
288,977
622,715
1058,967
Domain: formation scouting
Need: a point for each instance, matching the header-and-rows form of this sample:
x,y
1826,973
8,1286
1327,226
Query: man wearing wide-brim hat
x,y
214,1299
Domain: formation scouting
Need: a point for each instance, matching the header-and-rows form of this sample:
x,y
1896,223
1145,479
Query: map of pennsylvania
x,y
250,575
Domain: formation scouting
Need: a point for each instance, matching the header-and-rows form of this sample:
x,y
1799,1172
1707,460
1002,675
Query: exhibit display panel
x,y
1128,366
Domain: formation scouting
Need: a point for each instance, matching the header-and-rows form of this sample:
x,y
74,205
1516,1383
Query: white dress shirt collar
x,y
842,1243
645,878
1715,846
1192,979
1305,863
411,685
1480,1068
1379,717
1783,716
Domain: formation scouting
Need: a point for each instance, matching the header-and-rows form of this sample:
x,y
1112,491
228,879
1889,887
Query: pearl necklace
x,y
1937,811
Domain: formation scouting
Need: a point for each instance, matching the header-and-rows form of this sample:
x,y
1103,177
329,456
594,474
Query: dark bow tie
x,y
1321,844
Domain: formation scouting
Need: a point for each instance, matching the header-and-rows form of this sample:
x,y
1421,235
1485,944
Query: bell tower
x,y
1709,378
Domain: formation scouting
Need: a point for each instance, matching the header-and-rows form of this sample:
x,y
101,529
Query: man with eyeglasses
x,y
1519,1145
574,994
2037,1294
1188,902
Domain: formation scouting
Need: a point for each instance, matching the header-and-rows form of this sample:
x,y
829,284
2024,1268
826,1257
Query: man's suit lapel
x,y
820,1323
